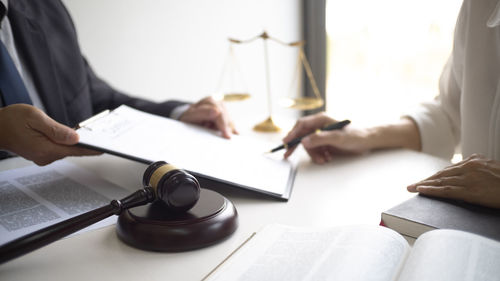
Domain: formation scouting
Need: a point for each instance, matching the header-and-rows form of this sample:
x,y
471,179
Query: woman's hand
x,y
323,145
474,180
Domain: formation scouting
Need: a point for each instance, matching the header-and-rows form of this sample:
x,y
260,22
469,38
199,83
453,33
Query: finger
x,y
328,155
207,115
295,132
474,161
55,131
221,124
220,118
318,158
317,155
233,128
289,151
318,139
447,191
52,152
441,181
306,125
450,171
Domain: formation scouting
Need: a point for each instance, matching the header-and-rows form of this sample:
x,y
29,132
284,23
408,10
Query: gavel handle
x,y
47,235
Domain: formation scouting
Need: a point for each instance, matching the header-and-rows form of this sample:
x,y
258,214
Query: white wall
x,y
176,49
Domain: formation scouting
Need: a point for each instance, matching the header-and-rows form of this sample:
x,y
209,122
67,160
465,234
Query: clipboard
x,y
218,163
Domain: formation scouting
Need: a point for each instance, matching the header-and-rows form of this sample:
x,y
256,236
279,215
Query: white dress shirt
x,y
467,111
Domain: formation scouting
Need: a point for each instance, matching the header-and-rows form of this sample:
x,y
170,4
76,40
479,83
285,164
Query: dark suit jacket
x,y
68,87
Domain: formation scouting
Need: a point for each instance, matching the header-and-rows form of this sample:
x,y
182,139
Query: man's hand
x,y
30,133
211,114
321,146
474,180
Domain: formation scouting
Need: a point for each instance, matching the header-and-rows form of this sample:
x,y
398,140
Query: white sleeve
x,y
439,121
178,111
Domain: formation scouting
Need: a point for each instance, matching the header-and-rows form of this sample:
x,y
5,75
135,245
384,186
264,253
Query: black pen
x,y
295,141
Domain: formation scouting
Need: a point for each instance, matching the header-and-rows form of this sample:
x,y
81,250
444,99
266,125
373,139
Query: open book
x,y
360,253
147,138
36,197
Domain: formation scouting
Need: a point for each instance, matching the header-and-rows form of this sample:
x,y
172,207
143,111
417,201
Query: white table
x,y
353,190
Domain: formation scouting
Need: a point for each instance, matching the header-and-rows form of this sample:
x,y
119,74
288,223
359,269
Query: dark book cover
x,y
420,214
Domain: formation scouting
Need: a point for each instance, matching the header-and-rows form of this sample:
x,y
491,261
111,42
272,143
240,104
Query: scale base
x,y
267,126
154,228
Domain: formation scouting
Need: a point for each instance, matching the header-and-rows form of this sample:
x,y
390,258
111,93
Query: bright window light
x,y
386,56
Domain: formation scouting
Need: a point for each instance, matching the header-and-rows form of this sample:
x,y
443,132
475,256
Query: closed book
x,y
421,214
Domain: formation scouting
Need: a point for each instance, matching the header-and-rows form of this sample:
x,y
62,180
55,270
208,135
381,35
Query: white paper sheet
x,y
240,160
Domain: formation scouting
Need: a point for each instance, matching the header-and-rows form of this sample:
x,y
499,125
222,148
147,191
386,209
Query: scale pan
x,y
236,96
303,103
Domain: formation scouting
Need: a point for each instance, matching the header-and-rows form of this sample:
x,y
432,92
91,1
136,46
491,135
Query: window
x,y
385,56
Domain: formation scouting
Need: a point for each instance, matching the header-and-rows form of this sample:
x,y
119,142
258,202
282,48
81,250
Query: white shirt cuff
x,y
178,111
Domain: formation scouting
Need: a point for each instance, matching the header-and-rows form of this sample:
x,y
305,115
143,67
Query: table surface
x,y
349,190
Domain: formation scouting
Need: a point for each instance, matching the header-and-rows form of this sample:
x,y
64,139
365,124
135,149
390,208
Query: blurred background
x,y
382,57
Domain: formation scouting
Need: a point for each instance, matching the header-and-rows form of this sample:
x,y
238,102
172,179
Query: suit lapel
x,y
31,44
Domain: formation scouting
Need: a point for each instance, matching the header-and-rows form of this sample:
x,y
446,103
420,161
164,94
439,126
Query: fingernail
x,y
71,136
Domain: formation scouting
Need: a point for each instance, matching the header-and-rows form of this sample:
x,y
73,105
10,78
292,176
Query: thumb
x,y
56,132
320,139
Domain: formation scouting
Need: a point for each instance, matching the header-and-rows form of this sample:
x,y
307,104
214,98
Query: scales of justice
x,y
299,103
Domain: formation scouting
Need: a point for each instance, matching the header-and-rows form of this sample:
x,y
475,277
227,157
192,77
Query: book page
x,y
239,160
354,253
453,255
34,197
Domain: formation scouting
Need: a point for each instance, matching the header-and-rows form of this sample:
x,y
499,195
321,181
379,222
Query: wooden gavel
x,y
178,189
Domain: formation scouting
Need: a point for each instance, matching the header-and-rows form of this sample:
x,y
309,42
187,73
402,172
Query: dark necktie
x,y
12,87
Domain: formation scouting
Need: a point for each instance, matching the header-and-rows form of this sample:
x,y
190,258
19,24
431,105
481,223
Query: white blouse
x,y
466,113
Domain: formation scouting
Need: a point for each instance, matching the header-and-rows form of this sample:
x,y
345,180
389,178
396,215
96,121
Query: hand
x,y
321,146
30,133
474,180
211,114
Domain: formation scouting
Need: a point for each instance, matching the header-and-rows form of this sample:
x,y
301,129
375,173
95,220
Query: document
x,y
34,197
360,253
240,161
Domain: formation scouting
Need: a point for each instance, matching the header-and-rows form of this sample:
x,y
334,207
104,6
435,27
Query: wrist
x,y
403,134
178,111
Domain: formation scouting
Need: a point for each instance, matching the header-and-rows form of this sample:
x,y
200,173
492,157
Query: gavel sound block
x,y
185,218
150,227
181,217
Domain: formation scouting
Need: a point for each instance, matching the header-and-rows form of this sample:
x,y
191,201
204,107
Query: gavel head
x,y
178,189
